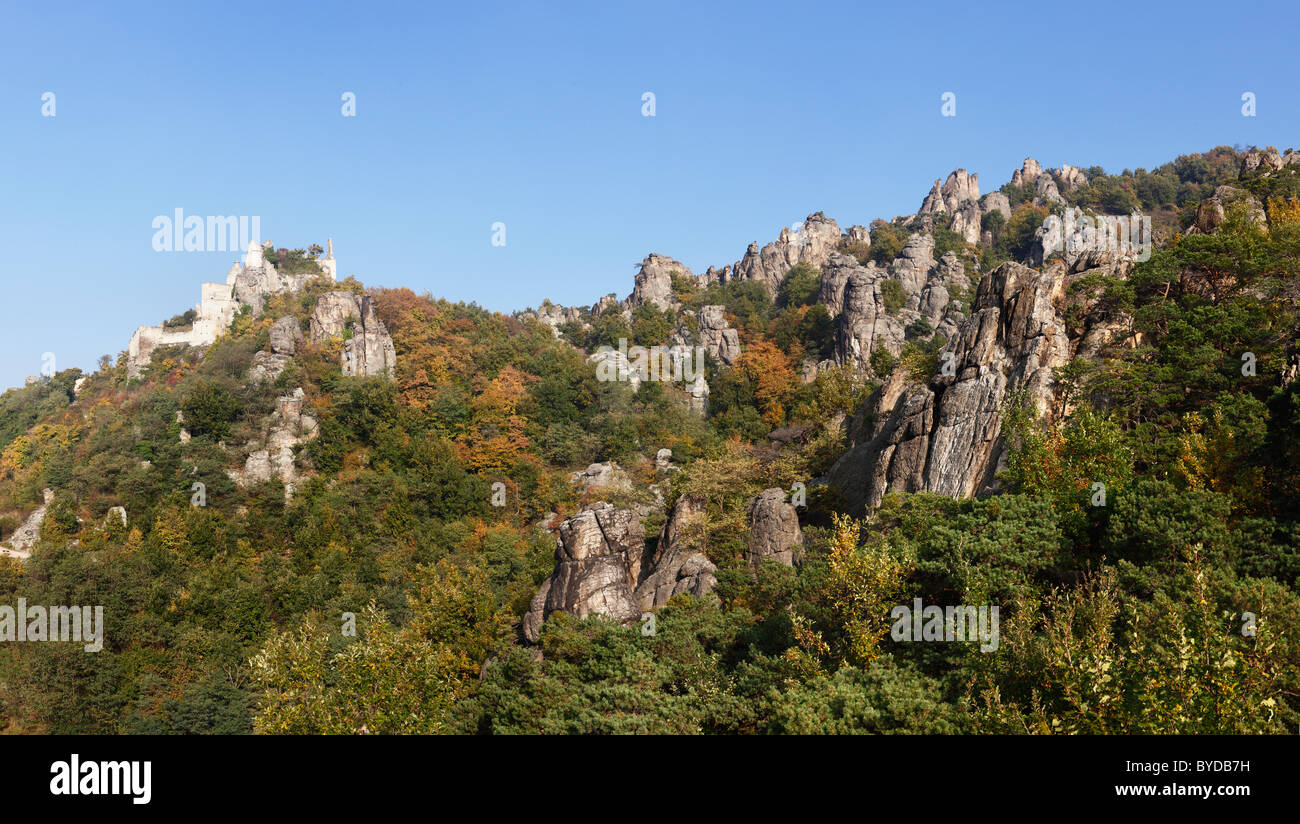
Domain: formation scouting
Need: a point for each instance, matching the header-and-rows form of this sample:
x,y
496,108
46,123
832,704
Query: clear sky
x,y
531,115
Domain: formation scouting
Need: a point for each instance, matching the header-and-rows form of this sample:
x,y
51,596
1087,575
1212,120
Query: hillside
x,y
308,506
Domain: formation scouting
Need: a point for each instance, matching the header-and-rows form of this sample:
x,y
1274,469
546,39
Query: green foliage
x,y
887,241
800,287
891,292
210,408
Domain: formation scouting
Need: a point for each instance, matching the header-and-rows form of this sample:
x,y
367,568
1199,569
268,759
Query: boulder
x,y
677,566
718,338
369,351
773,529
598,557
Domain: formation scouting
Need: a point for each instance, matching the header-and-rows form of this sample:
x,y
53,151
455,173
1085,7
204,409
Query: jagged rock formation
x,y
718,339
607,475
20,543
370,350
1072,177
654,282
272,455
996,202
854,296
267,366
773,529
959,189
1211,212
1263,162
816,239
1031,173
602,566
699,400
676,566
598,557
614,363
944,436
554,316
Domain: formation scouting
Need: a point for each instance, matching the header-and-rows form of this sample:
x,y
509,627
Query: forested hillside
x,y
1105,448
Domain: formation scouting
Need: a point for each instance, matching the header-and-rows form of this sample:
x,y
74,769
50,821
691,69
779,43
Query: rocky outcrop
x,y
20,543
1028,173
271,456
607,475
1263,162
677,566
773,529
958,191
914,264
1213,211
944,436
1031,173
853,295
247,283
968,221
654,282
817,237
555,316
369,351
996,202
598,557
1072,177
699,395
718,339
267,366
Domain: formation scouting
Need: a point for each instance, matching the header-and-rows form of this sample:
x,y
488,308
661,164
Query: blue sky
x,y
530,114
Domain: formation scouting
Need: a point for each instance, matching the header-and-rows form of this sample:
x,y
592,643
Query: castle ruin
x,y
246,283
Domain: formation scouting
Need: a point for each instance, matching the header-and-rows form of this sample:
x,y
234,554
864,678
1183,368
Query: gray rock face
x,y
996,202
654,282
598,557
945,436
285,334
1212,212
1046,190
1031,173
370,350
967,222
607,475
852,294
1028,173
718,339
256,282
1072,177
817,238
267,366
699,399
271,456
1262,163
915,264
24,538
959,190
555,316
773,529
677,566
